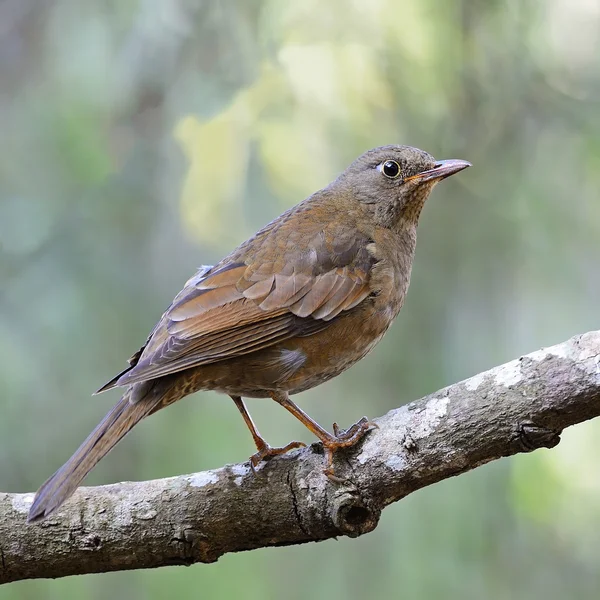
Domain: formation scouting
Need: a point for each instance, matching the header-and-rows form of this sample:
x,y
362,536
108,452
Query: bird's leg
x,y
331,443
264,450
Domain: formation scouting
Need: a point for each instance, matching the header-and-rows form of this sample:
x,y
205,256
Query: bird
x,y
292,307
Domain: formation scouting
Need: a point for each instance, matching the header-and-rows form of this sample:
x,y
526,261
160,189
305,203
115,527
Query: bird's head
x,y
394,181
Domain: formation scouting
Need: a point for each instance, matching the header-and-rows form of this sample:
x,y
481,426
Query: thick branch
x,y
517,407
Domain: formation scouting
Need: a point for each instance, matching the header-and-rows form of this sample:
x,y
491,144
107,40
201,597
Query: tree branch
x,y
517,407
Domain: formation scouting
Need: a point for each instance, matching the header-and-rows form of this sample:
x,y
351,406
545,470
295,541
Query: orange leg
x,y
264,450
331,443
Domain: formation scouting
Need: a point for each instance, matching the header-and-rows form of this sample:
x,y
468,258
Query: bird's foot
x,y
265,452
344,438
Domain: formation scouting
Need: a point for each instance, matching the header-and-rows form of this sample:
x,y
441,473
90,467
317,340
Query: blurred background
x,y
143,138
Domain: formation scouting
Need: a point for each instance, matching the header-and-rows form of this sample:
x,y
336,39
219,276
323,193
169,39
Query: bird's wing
x,y
299,278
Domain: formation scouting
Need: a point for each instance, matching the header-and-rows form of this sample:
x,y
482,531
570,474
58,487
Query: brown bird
x,y
298,303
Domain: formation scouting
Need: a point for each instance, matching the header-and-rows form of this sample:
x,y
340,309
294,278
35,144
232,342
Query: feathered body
x,y
294,306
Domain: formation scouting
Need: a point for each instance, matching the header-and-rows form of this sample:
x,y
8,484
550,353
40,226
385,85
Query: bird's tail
x,y
120,420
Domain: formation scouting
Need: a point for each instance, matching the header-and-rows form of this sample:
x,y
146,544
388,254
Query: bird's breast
x,y
343,344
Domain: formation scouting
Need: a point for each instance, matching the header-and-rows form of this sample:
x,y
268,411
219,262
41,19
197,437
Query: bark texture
x,y
517,407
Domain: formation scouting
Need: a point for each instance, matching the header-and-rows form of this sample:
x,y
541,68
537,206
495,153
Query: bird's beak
x,y
442,169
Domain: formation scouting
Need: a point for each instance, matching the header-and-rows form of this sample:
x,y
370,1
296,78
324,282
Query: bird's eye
x,y
390,168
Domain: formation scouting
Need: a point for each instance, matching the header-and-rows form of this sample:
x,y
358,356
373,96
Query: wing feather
x,y
239,307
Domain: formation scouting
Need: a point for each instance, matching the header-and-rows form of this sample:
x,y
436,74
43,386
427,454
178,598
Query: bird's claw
x,y
348,437
344,438
267,452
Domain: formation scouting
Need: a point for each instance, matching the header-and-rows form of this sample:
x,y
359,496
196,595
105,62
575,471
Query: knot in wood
x,y
352,516
532,437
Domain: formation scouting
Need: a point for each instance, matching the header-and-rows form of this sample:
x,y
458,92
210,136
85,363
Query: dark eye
x,y
390,168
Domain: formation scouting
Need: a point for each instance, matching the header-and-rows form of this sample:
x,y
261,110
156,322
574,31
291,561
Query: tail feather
x,y
113,383
58,488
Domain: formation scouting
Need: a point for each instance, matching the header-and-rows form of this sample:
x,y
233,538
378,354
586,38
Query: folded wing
x,y
241,306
